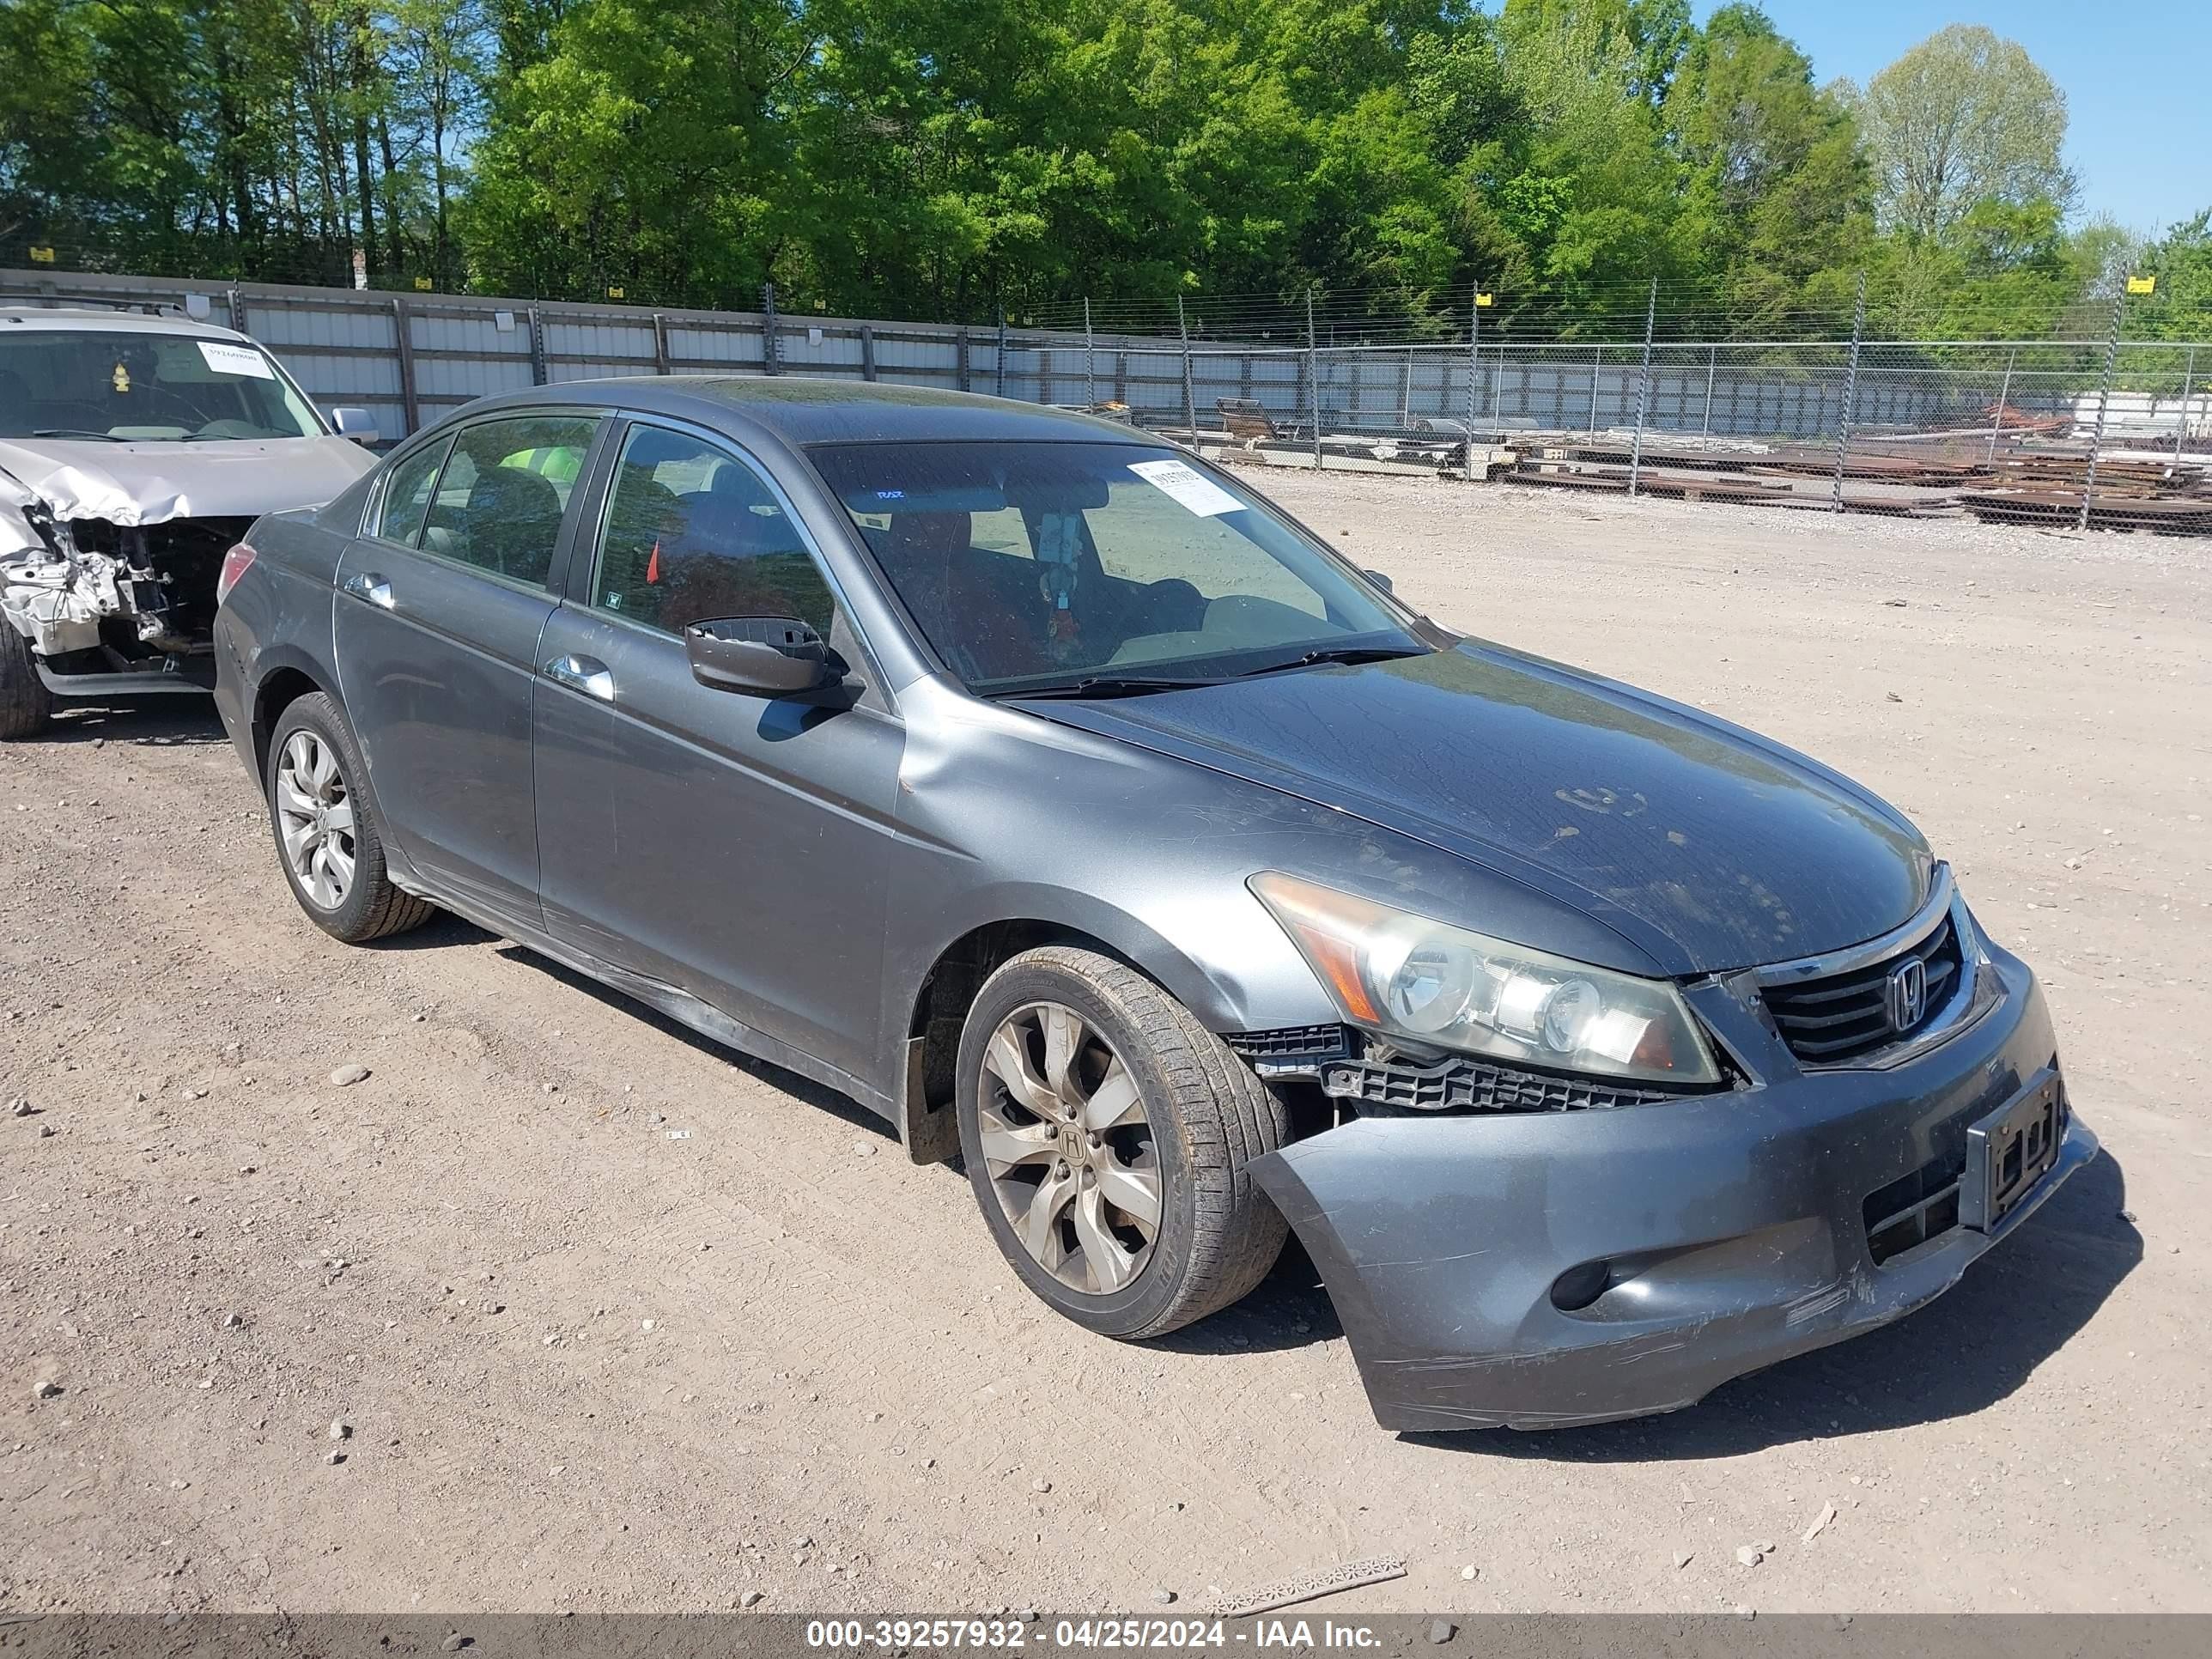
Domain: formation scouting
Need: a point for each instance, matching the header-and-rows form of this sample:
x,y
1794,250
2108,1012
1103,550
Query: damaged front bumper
x,y
104,598
1726,1231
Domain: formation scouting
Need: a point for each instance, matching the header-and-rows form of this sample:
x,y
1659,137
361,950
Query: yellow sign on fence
x,y
614,294
422,284
42,256
1482,298
2141,284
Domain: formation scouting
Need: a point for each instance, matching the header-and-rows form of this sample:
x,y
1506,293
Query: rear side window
x,y
499,502
407,494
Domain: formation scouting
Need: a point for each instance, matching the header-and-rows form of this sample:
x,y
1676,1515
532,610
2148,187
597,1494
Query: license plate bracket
x,y
2010,1151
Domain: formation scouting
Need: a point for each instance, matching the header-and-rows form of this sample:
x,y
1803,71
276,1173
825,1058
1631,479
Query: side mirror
x,y
763,656
354,421
1381,582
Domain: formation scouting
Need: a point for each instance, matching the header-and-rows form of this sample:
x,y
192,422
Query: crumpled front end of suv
x,y
110,553
104,584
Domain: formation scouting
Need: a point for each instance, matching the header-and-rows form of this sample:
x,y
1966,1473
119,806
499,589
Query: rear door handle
x,y
367,585
585,674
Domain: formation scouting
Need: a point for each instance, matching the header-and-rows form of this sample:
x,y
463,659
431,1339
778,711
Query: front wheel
x,y
1108,1136
328,840
26,705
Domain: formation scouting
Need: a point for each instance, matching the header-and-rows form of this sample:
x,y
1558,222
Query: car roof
x,y
803,411
97,320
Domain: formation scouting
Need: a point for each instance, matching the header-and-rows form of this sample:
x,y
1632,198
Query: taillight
x,y
235,563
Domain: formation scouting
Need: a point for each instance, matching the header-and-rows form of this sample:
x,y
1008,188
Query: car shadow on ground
x,y
1962,1353
173,722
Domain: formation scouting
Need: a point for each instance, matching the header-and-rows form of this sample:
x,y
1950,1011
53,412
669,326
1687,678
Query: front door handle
x,y
585,674
367,585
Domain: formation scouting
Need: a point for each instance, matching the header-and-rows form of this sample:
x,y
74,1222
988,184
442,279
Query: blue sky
x,y
2137,79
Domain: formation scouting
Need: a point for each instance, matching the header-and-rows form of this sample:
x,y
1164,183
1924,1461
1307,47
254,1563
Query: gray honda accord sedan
x,y
1055,796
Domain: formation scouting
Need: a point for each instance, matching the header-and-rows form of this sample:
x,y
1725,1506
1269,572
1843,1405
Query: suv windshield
x,y
1105,565
135,387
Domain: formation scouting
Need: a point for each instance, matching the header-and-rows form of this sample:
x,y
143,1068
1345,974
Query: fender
x,y
1220,1000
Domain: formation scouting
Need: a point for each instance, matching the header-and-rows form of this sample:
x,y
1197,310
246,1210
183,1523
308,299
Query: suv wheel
x,y
26,705
327,837
1107,1134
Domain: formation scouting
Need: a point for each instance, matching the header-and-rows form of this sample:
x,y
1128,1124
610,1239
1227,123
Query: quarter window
x,y
694,532
499,501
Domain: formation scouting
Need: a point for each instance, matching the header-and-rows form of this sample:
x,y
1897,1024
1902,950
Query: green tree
x,y
2181,306
1778,204
1963,117
1593,194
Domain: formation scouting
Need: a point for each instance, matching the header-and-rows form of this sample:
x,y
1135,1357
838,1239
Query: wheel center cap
x,y
1072,1144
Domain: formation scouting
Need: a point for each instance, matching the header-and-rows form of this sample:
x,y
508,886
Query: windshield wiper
x,y
1340,654
1100,685
76,432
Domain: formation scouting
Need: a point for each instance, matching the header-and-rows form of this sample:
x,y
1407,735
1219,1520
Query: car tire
x,y
26,705
329,844
1185,1118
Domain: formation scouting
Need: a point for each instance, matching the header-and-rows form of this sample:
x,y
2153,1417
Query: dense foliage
x,y
921,158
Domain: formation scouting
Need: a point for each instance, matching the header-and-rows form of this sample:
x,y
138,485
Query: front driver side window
x,y
694,532
499,501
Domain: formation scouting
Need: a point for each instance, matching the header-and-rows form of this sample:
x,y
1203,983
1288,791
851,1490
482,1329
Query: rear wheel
x,y
26,705
328,840
1107,1134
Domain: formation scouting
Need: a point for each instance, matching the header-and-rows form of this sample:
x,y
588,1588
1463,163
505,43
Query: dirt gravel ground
x,y
614,1321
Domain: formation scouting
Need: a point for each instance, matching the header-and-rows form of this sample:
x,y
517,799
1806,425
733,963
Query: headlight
x,y
1433,983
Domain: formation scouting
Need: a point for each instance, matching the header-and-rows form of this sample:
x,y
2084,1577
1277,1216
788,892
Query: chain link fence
x,y
2106,431
2111,432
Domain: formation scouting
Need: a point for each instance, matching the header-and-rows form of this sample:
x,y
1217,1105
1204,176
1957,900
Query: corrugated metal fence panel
x,y
695,346
578,349
443,383
340,351
834,353
462,352
915,360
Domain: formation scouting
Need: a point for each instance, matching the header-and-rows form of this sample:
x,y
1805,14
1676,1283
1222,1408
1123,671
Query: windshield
x,y
134,388
1032,564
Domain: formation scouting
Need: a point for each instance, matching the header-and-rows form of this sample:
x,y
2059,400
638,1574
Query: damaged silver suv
x,y
135,450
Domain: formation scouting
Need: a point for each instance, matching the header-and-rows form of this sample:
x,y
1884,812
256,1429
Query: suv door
x,y
439,609
731,845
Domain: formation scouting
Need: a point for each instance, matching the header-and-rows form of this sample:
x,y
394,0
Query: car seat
x,y
513,517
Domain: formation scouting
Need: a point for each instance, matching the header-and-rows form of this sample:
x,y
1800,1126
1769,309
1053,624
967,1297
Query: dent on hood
x,y
70,490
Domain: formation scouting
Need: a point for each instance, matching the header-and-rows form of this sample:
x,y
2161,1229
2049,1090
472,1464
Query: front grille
x,y
1830,1021
1915,1209
1472,1085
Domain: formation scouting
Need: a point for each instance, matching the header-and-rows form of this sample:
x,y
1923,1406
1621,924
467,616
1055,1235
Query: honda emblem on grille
x,y
1905,994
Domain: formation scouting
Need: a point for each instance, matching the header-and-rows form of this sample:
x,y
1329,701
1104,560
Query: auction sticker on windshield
x,y
235,360
1194,490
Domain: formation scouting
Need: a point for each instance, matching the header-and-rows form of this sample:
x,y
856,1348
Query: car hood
x,y
1707,846
151,484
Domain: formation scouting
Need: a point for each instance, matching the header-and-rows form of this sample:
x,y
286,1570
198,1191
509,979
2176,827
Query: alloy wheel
x,y
314,813
1069,1149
